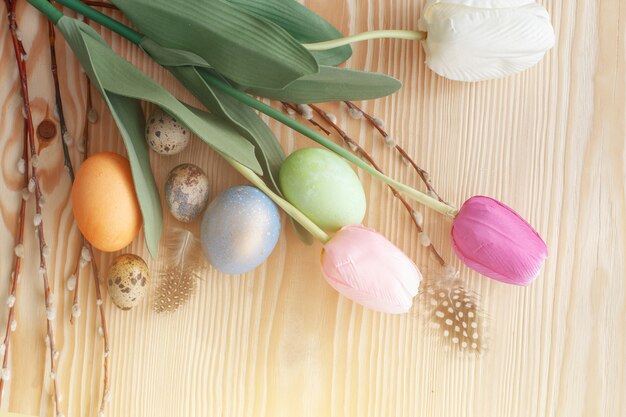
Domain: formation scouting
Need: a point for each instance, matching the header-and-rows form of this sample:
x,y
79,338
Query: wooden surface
x,y
279,341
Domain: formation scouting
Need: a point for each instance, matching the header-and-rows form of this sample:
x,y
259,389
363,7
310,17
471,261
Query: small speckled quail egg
x,y
186,192
164,134
128,281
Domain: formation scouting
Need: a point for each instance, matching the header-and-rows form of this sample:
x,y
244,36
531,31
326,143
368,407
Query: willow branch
x,y
17,266
96,276
422,173
67,161
106,393
292,108
20,57
101,4
75,312
361,152
86,253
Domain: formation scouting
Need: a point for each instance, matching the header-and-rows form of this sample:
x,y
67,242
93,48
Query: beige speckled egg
x,y
164,134
128,281
187,192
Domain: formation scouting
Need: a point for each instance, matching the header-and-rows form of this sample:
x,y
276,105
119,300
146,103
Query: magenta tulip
x,y
495,241
367,268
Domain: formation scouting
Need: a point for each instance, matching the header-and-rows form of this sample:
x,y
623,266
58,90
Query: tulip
x,y
365,267
495,241
474,40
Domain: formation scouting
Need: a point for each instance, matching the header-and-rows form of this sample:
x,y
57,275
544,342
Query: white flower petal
x,y
484,4
479,43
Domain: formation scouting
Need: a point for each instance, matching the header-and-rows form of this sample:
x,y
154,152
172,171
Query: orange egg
x,y
104,202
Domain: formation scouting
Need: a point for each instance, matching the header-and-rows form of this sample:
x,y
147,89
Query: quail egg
x,y
186,192
164,134
128,280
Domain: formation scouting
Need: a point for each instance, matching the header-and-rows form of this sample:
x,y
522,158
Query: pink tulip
x,y
365,267
494,240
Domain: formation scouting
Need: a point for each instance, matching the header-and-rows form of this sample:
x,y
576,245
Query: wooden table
x,y
279,341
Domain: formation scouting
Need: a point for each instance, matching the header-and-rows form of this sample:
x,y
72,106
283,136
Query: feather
x,y
453,313
182,263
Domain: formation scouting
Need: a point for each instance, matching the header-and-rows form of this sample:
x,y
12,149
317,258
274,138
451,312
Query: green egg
x,y
324,187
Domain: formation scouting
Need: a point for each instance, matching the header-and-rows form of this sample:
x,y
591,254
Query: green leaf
x,y
301,23
122,86
249,50
192,71
333,84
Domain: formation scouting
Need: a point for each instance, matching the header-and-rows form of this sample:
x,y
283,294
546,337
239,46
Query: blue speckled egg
x,y
239,229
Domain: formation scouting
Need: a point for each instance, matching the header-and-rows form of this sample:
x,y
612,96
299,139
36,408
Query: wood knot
x,y
47,130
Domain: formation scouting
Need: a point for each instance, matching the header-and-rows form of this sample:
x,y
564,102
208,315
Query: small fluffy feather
x,y
454,314
183,263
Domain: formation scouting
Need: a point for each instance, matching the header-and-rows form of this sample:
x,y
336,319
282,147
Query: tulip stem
x,y
365,36
136,38
52,13
428,201
95,15
287,207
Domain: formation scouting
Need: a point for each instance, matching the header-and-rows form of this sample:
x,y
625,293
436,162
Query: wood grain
x,y
279,341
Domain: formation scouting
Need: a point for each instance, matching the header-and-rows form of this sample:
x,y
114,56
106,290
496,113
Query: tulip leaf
x,y
123,86
192,71
333,84
244,119
249,125
242,47
301,23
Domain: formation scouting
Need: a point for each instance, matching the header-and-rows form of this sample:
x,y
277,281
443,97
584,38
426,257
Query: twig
x,y
5,373
73,285
20,57
106,393
80,260
101,4
356,148
65,138
86,253
67,160
292,108
377,124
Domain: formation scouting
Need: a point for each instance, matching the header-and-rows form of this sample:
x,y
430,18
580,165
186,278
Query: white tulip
x,y
474,40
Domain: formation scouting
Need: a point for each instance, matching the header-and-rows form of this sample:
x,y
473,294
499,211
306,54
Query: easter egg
x,y
127,280
239,230
104,202
186,192
164,134
324,187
